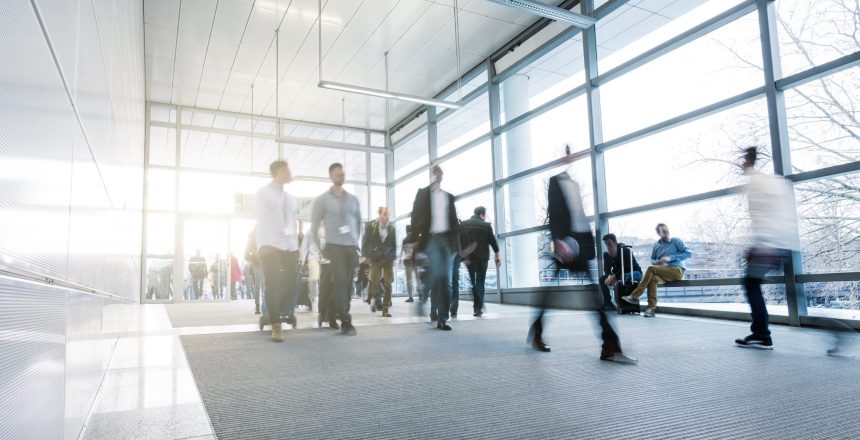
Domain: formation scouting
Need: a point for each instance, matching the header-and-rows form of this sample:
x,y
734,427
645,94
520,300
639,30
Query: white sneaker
x,y
649,312
630,299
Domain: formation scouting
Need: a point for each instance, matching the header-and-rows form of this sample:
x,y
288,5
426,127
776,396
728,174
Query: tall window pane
x,y
411,155
815,32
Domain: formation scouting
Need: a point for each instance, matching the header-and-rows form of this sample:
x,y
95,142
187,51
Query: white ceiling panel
x,y
196,16
224,46
191,47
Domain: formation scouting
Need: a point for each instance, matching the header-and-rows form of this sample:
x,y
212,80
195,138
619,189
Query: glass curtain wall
x,y
200,185
673,92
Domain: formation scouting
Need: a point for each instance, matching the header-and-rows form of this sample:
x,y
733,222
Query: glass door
x,y
206,268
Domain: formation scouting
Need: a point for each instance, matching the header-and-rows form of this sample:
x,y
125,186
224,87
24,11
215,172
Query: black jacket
x,y
482,234
422,217
372,245
613,265
560,222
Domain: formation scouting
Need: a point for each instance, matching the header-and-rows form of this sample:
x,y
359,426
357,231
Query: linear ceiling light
x,y
549,11
390,95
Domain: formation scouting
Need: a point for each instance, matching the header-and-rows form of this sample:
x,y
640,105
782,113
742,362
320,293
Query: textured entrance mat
x,y
480,381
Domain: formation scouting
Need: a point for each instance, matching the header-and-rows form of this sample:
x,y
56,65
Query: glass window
x,y
411,155
377,168
160,234
828,217
542,139
693,158
464,125
468,87
314,161
162,146
378,198
263,153
468,170
823,122
815,32
722,64
214,193
716,232
634,29
162,113
526,198
218,151
161,192
840,300
377,140
466,207
557,72
404,193
723,298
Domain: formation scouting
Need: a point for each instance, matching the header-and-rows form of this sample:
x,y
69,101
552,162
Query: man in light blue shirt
x,y
340,213
277,247
667,259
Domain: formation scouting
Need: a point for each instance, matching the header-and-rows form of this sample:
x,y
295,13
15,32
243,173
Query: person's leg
x,y
324,306
372,290
668,274
758,308
607,299
387,281
455,286
481,278
272,270
647,278
440,265
409,271
290,288
344,261
473,280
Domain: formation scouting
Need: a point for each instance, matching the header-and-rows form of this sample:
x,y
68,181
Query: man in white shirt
x,y
773,224
435,228
277,247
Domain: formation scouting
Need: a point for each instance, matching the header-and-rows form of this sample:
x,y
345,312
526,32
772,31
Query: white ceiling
x,y
207,53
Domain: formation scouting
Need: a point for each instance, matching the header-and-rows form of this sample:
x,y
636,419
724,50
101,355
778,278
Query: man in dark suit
x,y
573,248
435,228
481,232
379,247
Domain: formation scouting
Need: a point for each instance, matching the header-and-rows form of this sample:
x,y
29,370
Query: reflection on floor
x,y
149,391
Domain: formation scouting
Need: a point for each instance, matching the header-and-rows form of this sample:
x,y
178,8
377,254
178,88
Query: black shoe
x,y
753,341
539,345
373,308
443,325
348,329
453,315
478,315
333,325
291,320
385,314
409,300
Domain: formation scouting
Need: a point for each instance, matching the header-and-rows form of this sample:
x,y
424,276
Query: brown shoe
x,y
277,332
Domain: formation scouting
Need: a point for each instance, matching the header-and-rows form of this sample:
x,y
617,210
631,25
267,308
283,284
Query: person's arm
x,y
654,254
317,213
682,251
491,239
365,240
608,264
557,211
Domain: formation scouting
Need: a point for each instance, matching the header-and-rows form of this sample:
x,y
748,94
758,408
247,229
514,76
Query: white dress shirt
x,y
773,218
438,211
276,218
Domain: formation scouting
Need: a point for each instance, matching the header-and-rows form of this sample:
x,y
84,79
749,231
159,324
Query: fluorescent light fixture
x,y
390,95
549,11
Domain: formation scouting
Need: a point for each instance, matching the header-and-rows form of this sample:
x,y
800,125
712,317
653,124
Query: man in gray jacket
x,y
340,213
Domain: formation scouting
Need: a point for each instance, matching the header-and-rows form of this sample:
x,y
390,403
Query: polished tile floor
x,y
149,392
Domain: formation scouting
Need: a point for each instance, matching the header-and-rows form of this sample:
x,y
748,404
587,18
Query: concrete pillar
x,y
521,194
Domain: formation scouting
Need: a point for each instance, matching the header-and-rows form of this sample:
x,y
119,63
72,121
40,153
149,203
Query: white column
x,y
521,194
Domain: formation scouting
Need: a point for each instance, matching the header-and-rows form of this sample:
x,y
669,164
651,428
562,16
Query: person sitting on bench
x,y
667,259
612,264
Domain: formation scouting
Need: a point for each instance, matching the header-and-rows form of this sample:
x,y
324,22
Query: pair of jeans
x,y
438,281
477,276
760,261
281,282
607,296
343,260
650,278
455,285
385,270
611,343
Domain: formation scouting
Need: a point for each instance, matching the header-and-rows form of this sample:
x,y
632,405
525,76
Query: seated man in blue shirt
x,y
667,259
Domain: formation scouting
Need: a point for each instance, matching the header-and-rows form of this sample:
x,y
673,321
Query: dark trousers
x,y
197,286
439,276
324,305
760,261
477,276
281,281
342,267
604,289
611,343
455,285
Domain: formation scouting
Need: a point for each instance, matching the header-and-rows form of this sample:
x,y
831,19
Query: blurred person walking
x,y
277,243
574,249
773,227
